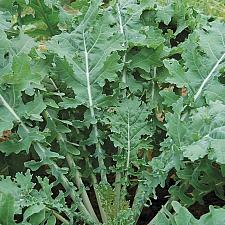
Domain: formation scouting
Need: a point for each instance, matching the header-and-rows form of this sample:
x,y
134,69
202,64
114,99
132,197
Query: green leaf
x,y
176,128
51,220
51,3
34,209
145,59
9,187
89,60
215,92
176,71
6,5
207,125
169,97
23,44
128,15
183,216
45,21
215,216
200,69
67,147
10,147
7,209
5,18
164,14
211,40
154,37
33,109
37,218
27,140
128,125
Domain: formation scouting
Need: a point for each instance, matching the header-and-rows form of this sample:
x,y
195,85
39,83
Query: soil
x,y
197,209
148,213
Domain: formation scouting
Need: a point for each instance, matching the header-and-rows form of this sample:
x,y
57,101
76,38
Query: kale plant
x,y
103,97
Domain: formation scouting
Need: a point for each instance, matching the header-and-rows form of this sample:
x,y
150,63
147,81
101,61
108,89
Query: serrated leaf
x,y
33,109
88,60
128,125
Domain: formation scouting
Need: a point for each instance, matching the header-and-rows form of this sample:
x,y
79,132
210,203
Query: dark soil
x,y
197,209
210,199
148,213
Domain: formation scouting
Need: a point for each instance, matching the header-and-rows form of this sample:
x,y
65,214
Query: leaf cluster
x,y
97,98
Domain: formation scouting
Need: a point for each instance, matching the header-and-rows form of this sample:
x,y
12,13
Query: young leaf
x,y
128,125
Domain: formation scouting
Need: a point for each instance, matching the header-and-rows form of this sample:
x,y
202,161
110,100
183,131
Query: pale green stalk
x,y
77,177
65,182
91,106
118,188
208,77
58,216
79,182
122,31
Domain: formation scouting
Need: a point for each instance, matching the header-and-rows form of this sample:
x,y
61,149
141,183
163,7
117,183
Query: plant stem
x,y
208,77
53,165
124,75
81,186
101,209
138,204
78,179
95,184
94,180
58,216
128,141
100,154
120,19
118,188
117,191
